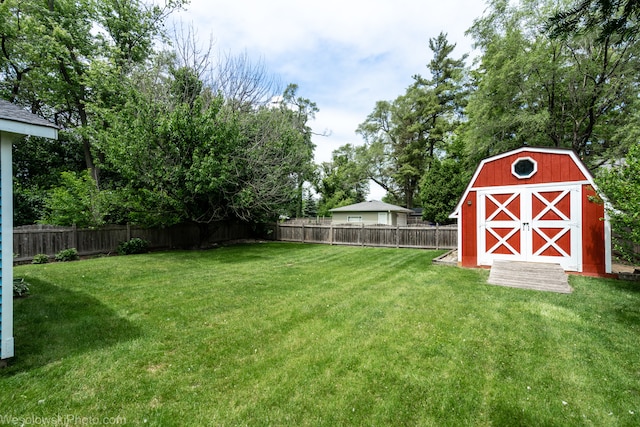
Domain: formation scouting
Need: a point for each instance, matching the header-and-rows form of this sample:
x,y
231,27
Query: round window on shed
x,y
524,167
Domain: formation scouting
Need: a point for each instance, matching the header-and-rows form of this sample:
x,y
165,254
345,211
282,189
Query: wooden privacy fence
x,y
41,239
436,237
32,240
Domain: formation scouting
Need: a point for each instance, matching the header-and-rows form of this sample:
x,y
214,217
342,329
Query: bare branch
x,y
242,82
190,52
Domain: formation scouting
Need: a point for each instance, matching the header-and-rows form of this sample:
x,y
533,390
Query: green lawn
x,y
292,334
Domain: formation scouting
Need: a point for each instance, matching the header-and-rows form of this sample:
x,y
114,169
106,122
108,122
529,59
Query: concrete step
x,y
529,275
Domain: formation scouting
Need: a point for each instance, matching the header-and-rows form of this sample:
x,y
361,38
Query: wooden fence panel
x,y
448,237
416,238
103,240
158,238
289,233
347,236
382,236
27,243
317,234
32,240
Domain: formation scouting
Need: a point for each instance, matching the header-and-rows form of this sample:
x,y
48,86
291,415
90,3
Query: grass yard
x,y
292,334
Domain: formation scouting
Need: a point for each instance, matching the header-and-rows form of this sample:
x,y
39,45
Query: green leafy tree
x,y
404,135
61,58
174,156
378,132
532,89
342,181
441,188
443,184
439,101
77,201
608,17
299,111
37,165
621,185
203,158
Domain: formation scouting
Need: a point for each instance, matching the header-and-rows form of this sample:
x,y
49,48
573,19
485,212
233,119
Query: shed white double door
x,y
536,224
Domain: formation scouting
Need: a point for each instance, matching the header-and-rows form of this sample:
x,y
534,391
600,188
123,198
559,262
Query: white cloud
x,y
344,55
339,124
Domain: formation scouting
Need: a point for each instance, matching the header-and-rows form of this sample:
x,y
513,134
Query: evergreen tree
x,y
403,136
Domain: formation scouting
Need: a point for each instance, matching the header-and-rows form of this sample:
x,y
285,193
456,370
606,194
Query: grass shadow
x,y
628,309
629,286
55,323
504,414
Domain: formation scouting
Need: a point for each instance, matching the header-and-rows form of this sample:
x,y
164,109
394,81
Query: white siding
x,y
402,219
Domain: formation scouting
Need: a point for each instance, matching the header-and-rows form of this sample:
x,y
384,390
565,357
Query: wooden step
x,y
529,275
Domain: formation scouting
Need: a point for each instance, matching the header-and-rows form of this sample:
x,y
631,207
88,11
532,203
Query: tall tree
x,y
441,99
443,184
607,17
179,136
614,21
60,57
300,111
205,160
404,135
536,90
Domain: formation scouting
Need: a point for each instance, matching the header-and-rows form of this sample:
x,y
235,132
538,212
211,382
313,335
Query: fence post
x,y
128,231
397,236
331,234
437,236
74,237
303,232
362,235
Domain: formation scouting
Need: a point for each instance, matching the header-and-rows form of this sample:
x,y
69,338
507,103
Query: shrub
x,y
20,288
133,246
40,259
77,201
621,185
70,254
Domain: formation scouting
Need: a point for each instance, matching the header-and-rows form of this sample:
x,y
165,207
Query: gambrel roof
x,y
574,170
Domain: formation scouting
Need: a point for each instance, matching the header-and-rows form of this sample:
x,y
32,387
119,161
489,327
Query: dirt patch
x,y
626,271
449,258
623,268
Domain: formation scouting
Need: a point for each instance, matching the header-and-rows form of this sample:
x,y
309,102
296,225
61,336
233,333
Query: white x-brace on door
x,y
537,224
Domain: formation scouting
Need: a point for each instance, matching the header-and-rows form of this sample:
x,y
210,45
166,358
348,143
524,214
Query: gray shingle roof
x,y
372,206
9,111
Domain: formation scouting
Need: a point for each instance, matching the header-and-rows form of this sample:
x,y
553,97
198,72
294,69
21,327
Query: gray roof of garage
x,y
372,206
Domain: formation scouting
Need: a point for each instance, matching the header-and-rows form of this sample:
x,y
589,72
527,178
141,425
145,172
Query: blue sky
x,y
344,55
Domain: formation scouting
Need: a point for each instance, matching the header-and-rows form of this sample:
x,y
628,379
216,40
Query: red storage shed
x,y
537,205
